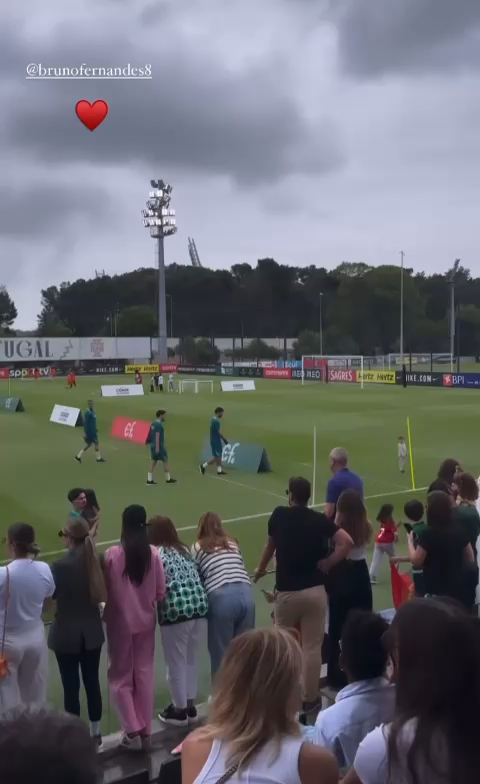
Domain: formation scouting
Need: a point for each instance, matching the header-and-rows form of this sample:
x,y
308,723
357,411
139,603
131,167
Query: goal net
x,y
330,368
421,362
195,386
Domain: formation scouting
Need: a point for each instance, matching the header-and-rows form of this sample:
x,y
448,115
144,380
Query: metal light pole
x,y
321,324
402,257
452,321
169,296
161,222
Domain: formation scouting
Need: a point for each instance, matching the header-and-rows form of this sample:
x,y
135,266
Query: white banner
x,y
237,386
127,390
71,349
65,415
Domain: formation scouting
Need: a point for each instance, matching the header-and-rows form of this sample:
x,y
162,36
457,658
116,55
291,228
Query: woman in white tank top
x,y
252,734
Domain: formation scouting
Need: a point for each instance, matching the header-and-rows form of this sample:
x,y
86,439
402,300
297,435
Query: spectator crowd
x,y
407,688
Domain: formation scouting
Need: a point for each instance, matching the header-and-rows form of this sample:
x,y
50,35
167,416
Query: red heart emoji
x,y
91,114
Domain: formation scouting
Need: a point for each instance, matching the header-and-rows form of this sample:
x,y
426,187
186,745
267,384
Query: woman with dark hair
x,y
444,552
76,634
465,512
434,649
26,588
448,468
91,511
182,619
135,583
349,587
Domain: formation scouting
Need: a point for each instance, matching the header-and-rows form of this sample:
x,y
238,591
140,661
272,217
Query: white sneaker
x,y
131,744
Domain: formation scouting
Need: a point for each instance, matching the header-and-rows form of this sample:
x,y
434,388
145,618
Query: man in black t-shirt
x,y
301,539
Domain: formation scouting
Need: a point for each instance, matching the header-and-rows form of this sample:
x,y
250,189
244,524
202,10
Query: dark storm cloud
x,y
41,210
195,114
379,36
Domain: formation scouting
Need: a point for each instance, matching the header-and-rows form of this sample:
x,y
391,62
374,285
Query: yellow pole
x,y
412,470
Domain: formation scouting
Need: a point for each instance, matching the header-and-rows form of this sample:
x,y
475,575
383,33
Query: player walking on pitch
x,y
216,446
90,433
158,451
171,383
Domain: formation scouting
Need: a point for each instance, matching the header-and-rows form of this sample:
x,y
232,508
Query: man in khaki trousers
x,y
301,539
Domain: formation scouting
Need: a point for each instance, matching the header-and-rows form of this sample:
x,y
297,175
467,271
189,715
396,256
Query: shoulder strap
x,y
227,775
7,599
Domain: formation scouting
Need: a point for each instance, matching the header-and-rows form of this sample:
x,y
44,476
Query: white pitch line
x,y
244,519
239,484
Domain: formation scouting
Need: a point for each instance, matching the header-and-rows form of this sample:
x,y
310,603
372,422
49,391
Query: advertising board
x,y
127,390
66,415
237,386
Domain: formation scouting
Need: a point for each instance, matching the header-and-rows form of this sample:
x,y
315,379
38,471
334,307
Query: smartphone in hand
x,y
408,528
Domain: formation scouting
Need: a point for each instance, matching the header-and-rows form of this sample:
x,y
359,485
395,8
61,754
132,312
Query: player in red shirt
x,y
36,373
71,380
384,540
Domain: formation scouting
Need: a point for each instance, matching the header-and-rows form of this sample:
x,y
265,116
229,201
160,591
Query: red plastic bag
x,y
402,587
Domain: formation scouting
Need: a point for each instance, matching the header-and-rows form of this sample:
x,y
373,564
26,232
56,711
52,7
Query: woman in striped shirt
x,y
228,587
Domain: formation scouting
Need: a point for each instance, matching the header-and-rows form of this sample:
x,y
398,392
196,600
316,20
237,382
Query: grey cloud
x,y
40,210
377,36
195,114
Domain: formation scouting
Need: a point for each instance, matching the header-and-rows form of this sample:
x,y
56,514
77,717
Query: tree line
x,y
360,306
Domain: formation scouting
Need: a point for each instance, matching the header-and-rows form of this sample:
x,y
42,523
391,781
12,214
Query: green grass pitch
x,y
38,467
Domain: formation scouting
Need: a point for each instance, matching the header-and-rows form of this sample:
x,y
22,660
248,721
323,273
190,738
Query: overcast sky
x,y
307,130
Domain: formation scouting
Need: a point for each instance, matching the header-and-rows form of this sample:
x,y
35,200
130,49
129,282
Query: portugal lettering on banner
x,y
377,376
345,376
270,372
134,430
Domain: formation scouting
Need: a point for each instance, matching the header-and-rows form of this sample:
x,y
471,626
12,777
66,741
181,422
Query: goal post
x,y
316,367
194,385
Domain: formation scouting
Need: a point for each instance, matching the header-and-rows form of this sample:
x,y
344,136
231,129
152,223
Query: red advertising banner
x,y
172,368
130,430
270,372
4,372
447,380
314,362
342,375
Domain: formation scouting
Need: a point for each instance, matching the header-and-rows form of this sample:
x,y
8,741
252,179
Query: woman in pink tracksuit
x,y
135,583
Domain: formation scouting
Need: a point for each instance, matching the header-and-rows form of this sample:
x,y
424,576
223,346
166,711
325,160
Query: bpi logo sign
x,y
451,380
228,453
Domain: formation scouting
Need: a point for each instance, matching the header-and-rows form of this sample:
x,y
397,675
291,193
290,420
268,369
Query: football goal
x,y
330,368
194,385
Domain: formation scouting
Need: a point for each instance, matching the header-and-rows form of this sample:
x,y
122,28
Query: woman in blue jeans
x,y
229,590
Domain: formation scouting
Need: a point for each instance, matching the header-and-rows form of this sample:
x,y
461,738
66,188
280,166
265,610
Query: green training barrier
x,y
251,458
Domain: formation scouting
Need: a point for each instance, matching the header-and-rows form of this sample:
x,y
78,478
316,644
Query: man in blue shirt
x,y
90,433
342,479
216,445
158,451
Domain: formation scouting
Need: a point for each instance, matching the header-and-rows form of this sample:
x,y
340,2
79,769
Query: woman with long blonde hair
x,y
228,587
252,733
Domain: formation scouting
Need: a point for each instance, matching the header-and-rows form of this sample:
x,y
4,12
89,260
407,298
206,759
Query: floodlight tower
x,y
160,219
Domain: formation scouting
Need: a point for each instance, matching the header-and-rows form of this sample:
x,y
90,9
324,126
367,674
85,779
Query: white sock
x,y
94,728
150,477
167,476
204,465
80,453
219,469
99,457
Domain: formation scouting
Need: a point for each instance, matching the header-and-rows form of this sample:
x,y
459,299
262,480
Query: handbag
x,y
3,661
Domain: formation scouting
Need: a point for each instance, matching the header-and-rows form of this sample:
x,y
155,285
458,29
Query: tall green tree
x,y
8,311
